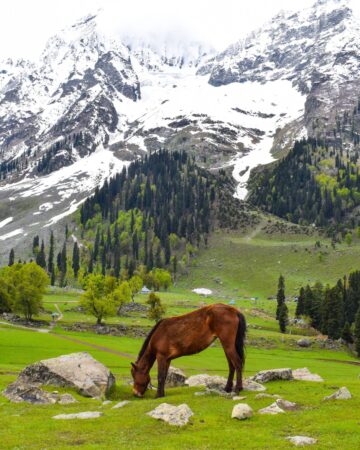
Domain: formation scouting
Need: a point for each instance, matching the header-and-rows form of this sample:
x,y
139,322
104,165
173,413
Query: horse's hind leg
x,y
228,343
163,367
229,384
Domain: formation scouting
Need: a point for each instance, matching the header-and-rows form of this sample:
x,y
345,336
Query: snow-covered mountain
x,y
96,100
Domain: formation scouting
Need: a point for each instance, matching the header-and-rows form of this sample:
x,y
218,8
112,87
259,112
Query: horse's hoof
x,y
228,389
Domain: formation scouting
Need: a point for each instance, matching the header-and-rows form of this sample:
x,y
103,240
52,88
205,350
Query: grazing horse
x,y
189,334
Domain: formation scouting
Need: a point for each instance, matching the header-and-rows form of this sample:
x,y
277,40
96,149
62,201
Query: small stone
x,y
253,386
237,397
264,395
67,399
241,411
173,415
301,440
198,394
120,404
82,415
106,402
305,343
342,394
272,409
304,374
286,405
210,381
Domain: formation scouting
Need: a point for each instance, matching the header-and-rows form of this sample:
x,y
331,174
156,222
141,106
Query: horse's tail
x,y
240,338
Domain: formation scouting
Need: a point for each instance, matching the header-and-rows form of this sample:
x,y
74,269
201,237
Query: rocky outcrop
x,y
242,411
22,391
79,371
173,415
273,409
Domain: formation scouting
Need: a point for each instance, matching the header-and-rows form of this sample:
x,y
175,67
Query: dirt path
x,y
255,231
94,346
22,327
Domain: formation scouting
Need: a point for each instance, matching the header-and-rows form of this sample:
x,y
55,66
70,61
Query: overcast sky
x,y
26,24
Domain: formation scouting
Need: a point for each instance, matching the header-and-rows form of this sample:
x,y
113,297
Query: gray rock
x,y
67,399
253,386
342,394
301,440
241,411
238,398
82,415
286,405
173,415
304,374
106,402
120,404
175,377
265,376
19,391
199,394
210,381
272,409
80,371
304,343
261,396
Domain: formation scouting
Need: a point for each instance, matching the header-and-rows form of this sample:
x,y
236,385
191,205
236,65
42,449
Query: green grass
x,y
236,267
31,427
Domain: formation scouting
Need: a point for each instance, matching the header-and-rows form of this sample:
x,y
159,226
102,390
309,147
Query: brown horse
x,y
189,334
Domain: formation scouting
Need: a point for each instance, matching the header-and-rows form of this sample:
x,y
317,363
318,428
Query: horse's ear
x,y
134,365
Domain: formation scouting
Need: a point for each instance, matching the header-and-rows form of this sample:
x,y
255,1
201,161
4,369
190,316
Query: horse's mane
x,y
147,340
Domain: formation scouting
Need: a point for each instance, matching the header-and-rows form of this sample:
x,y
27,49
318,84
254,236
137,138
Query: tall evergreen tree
x,y
11,257
76,259
51,268
283,317
41,257
280,297
300,306
357,332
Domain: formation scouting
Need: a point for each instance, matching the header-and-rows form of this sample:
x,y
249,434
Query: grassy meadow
x,y
242,268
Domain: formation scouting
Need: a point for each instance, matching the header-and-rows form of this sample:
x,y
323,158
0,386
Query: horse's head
x,y
141,380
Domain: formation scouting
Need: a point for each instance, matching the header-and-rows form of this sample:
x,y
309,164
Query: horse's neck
x,y
146,361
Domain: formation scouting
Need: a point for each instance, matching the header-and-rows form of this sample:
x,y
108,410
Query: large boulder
x,y
241,411
79,371
175,377
342,394
271,375
304,374
173,415
304,342
253,386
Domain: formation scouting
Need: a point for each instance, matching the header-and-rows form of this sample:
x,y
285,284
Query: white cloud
x,y
25,25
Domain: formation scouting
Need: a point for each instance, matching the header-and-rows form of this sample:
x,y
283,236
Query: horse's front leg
x,y
163,367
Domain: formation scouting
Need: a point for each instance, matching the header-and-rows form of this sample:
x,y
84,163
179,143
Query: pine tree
x,y
51,268
346,334
76,259
283,317
300,306
357,332
36,244
11,257
40,257
63,265
280,295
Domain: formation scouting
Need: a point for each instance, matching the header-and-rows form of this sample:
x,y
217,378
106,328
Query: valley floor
x,y
242,268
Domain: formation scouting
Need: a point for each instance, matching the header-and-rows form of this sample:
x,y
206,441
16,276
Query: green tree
x,y
300,306
40,257
357,332
346,333
5,298
11,257
280,295
156,309
51,267
99,299
76,259
283,317
348,238
30,282
122,293
135,283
